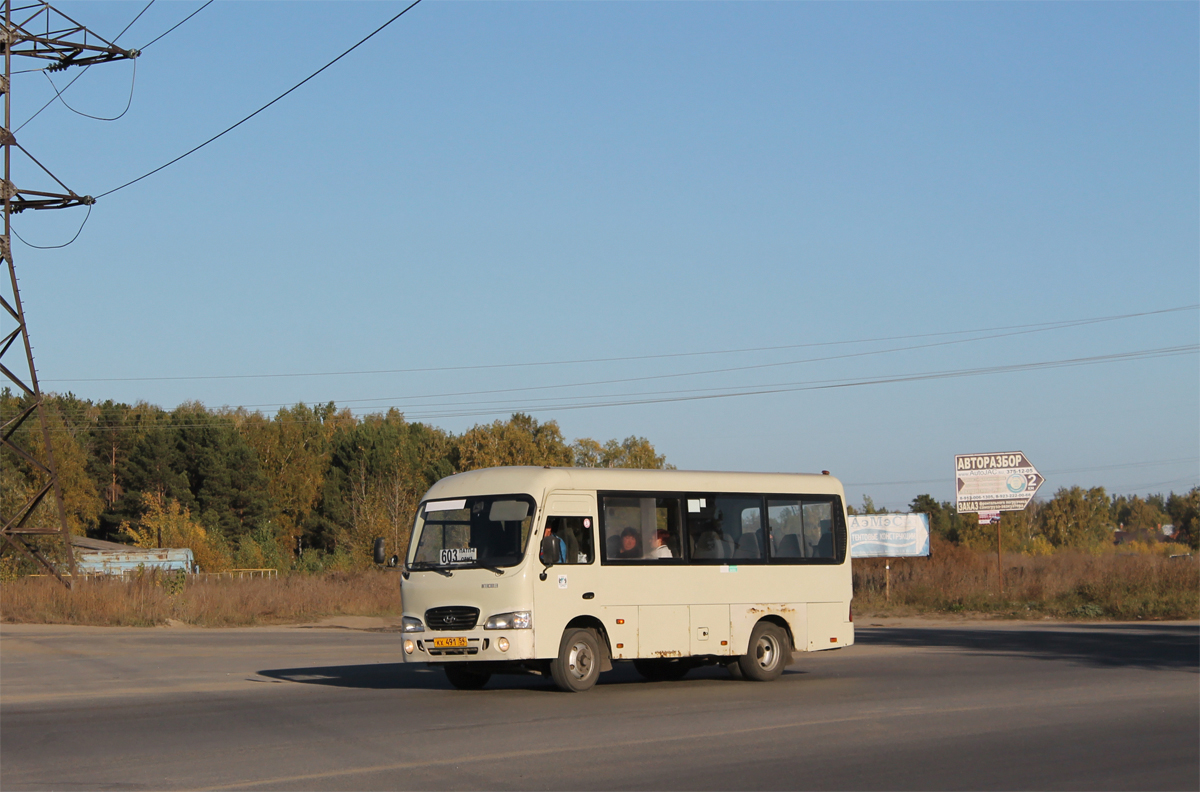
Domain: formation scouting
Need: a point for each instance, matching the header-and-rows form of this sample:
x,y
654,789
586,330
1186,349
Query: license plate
x,y
449,643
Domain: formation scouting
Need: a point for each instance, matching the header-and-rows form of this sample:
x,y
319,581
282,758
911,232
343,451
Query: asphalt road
x,y
939,705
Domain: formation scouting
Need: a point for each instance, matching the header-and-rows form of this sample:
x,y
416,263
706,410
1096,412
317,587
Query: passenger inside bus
x,y
571,537
710,541
631,544
659,548
554,548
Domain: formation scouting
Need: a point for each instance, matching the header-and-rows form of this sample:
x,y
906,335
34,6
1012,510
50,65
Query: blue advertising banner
x,y
888,535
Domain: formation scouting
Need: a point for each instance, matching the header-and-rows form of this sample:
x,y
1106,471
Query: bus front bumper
x,y
471,646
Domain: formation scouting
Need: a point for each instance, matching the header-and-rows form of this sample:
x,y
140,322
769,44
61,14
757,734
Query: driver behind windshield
x,y
554,549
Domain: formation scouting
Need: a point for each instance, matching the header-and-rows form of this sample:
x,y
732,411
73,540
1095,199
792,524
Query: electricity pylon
x,y
36,30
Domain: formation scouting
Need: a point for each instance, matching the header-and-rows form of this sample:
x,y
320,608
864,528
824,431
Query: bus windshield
x,y
488,531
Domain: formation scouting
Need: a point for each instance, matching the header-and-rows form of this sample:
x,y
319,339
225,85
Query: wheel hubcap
x,y
766,652
580,661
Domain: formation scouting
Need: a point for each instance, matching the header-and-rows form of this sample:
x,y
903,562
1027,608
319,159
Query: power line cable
x,y
264,107
679,375
1062,472
1144,354
177,24
58,94
859,382
64,244
1060,324
1189,479
135,19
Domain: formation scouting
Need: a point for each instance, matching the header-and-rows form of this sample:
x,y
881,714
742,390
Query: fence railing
x,y
238,573
267,574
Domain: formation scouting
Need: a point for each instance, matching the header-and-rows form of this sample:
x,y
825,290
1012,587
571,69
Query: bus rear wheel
x,y
577,666
767,654
465,677
665,670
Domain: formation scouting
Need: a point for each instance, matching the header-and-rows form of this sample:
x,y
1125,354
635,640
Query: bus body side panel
x,y
828,626
745,616
710,630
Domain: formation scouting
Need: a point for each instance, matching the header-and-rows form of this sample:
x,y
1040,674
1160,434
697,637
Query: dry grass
x,y
954,580
1064,585
152,599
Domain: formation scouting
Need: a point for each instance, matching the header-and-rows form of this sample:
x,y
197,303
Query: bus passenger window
x,y
725,527
567,540
800,529
641,529
818,530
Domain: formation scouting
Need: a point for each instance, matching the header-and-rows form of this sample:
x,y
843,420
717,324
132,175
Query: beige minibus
x,y
562,571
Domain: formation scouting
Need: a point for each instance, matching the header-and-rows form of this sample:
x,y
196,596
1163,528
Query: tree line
x,y
1077,518
308,488
311,487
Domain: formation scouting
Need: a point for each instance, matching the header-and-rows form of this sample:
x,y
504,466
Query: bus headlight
x,y
502,644
517,620
411,624
408,646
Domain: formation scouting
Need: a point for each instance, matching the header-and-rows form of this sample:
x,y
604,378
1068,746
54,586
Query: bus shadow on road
x,y
1148,646
403,676
375,676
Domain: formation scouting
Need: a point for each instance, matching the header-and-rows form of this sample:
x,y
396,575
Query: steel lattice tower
x,y
35,30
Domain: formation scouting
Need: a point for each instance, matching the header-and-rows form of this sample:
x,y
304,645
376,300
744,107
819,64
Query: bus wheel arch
x,y
592,623
781,622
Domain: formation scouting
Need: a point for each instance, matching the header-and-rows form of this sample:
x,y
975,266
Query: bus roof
x,y
538,480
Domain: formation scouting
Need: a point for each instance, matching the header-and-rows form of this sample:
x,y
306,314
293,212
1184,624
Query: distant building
x,y
97,557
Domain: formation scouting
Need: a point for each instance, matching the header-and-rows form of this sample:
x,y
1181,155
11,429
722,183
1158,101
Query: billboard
x,y
994,482
888,535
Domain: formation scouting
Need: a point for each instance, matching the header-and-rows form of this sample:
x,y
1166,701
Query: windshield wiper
x,y
490,568
431,566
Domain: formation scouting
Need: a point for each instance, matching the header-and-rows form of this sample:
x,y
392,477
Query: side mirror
x,y
379,550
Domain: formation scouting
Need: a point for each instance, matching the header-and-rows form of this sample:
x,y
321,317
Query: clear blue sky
x,y
503,183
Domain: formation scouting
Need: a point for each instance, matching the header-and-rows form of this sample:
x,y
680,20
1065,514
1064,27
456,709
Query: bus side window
x,y
800,528
785,522
641,528
573,538
725,527
818,530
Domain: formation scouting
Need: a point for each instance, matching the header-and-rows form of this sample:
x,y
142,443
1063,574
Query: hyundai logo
x,y
449,620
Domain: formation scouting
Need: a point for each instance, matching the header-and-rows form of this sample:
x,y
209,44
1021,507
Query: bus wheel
x,y
767,655
662,670
465,678
577,666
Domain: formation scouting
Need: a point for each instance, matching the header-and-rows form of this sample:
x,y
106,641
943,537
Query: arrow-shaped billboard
x,y
995,482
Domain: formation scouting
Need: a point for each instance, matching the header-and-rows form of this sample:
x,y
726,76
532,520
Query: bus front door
x,y
571,566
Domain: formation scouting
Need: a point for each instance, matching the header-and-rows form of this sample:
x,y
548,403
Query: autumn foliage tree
x,y
311,487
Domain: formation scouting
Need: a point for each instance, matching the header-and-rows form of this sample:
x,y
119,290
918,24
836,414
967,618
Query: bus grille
x,y
453,617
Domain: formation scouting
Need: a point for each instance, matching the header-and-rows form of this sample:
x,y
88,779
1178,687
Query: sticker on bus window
x,y
562,581
437,506
695,505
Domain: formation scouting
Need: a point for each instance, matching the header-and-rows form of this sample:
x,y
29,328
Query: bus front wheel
x,y
767,654
577,666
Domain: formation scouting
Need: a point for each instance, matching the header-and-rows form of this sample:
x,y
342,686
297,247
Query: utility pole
x,y
34,29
